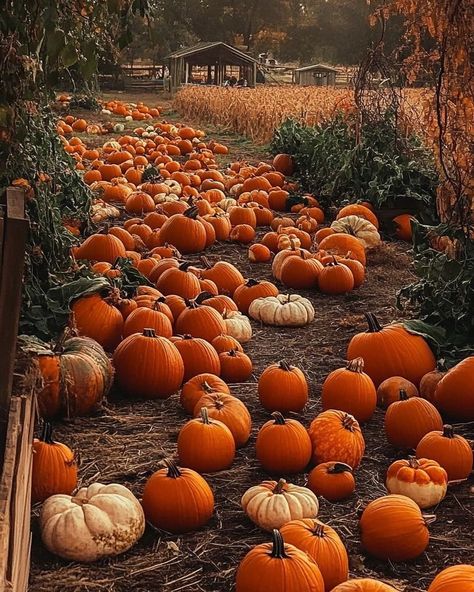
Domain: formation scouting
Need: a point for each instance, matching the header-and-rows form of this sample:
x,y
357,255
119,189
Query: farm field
x,y
125,440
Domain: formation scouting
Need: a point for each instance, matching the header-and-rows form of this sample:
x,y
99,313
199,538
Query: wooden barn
x,y
210,63
316,75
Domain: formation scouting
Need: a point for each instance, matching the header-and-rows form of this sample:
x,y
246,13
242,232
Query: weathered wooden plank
x,y
2,226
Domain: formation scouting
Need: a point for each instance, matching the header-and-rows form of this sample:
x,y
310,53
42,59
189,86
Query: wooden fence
x,y
17,414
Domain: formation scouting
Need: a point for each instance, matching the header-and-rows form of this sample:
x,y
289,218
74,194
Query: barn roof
x,y
322,67
206,46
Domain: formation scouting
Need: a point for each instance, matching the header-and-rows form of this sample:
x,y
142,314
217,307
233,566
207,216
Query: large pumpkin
x,y
177,500
101,247
323,544
392,527
351,390
54,467
77,374
457,578
279,567
391,351
200,320
336,436
454,394
97,318
98,521
282,387
148,366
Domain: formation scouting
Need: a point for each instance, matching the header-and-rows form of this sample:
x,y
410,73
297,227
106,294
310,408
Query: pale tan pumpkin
x,y
361,228
238,326
284,310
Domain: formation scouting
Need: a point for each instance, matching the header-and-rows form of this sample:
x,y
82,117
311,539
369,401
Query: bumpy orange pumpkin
x,y
424,481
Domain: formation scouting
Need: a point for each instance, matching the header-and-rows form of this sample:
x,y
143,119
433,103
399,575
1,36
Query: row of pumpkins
x,y
190,329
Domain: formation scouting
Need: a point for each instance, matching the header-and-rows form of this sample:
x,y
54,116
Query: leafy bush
x,y
384,168
443,296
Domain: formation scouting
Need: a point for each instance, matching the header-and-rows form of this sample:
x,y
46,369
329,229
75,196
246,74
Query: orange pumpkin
x,y
198,386
422,480
457,578
333,480
389,390
283,388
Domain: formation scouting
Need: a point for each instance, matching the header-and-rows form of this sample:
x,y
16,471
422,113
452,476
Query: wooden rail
x,y
17,414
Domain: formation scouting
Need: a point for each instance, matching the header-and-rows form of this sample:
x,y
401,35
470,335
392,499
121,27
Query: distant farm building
x,y
210,63
316,75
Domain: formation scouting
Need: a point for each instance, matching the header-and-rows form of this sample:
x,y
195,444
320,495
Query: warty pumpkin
x,y
393,527
148,366
198,355
409,419
54,467
280,567
351,390
236,366
336,436
198,386
333,480
422,480
206,445
391,351
450,450
177,499
272,504
283,445
283,388
321,543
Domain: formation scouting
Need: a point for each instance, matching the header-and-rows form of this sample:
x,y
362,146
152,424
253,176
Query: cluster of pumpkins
x,y
186,333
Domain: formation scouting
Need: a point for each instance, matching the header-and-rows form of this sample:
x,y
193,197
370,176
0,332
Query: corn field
x,y
256,113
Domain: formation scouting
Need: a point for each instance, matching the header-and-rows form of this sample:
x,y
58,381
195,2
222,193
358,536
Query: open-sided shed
x,y
316,75
210,63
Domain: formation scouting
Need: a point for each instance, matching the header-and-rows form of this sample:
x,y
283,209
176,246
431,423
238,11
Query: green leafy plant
x,y
383,167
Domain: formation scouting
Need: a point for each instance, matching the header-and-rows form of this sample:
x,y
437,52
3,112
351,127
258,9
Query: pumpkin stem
x,y
183,266
149,332
279,486
232,353
319,530
47,433
278,417
356,365
348,422
206,262
338,468
192,213
413,462
218,404
187,336
204,415
251,282
278,548
448,431
285,366
403,395
288,298
203,296
374,325
173,470
207,387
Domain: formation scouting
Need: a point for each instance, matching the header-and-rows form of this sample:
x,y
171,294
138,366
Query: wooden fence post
x,y
13,234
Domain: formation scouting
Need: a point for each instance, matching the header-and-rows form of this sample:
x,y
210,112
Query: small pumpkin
x,y
283,445
430,380
403,228
224,343
259,253
179,281
198,355
236,366
335,278
389,390
197,387
200,320
230,411
272,504
284,310
333,480
341,244
225,275
283,388
363,585
360,228
177,499
238,326
422,480
206,445
96,317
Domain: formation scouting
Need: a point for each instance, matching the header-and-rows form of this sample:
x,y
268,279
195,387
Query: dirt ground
x,y
126,440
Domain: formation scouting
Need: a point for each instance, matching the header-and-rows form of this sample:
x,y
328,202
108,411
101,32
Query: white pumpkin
x,y
238,326
174,186
271,504
361,228
99,521
236,189
118,128
226,204
422,480
284,310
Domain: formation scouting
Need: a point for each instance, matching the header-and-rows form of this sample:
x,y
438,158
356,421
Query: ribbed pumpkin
x,y
54,467
333,480
392,527
224,343
422,480
225,275
391,351
351,390
363,585
199,357
95,317
457,578
283,388
300,272
358,210
341,244
279,567
144,317
101,247
206,445
429,382
198,386
451,451
335,278
336,436
200,320
148,366
236,366
179,281
454,395
389,390
221,303
185,232
283,445
409,419
252,289
321,543
230,411
177,499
